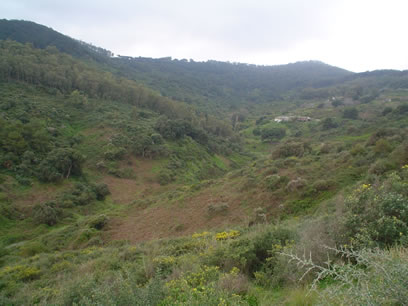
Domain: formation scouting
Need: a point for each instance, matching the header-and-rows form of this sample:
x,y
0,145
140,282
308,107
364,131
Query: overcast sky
x,y
357,35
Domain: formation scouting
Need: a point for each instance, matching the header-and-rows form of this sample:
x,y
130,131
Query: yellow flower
x,y
227,235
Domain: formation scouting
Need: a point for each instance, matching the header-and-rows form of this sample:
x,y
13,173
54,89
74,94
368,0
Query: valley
x,y
140,181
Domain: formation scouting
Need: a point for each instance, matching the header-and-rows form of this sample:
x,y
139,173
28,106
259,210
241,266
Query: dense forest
x,y
140,181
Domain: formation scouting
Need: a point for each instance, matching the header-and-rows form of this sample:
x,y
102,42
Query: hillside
x,y
211,85
228,84
134,181
42,37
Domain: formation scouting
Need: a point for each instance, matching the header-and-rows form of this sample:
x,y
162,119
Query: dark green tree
x,y
273,133
350,113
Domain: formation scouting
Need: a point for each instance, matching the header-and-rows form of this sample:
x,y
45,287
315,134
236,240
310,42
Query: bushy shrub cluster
x,y
289,149
59,164
46,213
377,277
217,209
79,195
378,215
273,133
250,254
275,181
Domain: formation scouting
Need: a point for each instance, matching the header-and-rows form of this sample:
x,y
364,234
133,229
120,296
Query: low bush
x,y
350,113
387,110
234,282
98,222
166,176
329,123
60,164
377,215
382,146
381,166
101,190
273,133
46,213
296,185
288,149
218,209
274,182
79,195
377,277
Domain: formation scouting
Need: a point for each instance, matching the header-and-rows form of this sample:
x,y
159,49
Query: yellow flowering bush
x,y
227,235
201,235
377,215
200,288
20,272
165,263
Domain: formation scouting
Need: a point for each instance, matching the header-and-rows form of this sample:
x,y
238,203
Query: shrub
x,y
250,254
98,222
350,113
381,166
259,216
164,264
382,146
322,185
337,103
46,213
113,152
32,248
234,282
101,190
200,288
326,148
288,149
165,177
296,184
256,131
227,235
261,120
290,161
272,133
377,215
79,195
274,182
401,109
20,272
387,110
115,289
59,164
378,277
357,149
218,209
381,133
329,123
